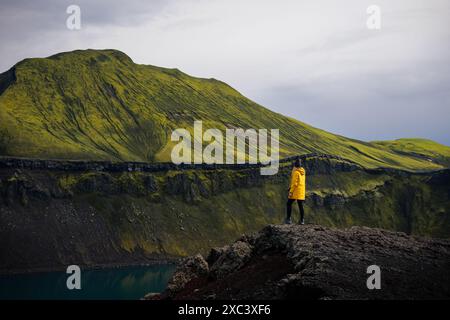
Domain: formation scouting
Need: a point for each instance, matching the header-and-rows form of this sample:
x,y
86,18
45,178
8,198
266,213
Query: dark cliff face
x,y
57,213
314,262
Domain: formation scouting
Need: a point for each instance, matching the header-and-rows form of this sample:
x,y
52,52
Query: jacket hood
x,y
301,170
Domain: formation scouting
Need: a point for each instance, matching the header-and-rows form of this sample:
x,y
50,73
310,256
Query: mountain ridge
x,y
100,105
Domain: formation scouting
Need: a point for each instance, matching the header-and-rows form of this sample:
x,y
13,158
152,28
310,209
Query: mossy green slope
x,y
419,148
98,104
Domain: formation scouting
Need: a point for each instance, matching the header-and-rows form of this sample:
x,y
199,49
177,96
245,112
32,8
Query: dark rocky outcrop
x,y
314,262
191,268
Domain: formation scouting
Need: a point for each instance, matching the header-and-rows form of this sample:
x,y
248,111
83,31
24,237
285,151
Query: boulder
x,y
189,269
232,258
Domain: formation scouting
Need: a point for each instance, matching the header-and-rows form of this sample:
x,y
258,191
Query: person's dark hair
x,y
297,163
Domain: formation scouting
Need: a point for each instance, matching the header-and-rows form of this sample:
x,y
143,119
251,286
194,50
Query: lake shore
x,y
161,261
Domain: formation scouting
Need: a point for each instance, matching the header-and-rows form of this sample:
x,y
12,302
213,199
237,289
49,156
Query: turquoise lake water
x,y
126,283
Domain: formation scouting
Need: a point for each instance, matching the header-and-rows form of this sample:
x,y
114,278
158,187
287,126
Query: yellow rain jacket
x,y
297,190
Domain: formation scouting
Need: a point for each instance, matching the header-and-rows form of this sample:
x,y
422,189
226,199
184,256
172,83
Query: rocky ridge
x,y
314,262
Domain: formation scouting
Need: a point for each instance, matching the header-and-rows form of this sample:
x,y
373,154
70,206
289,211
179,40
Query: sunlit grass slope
x,y
419,148
98,104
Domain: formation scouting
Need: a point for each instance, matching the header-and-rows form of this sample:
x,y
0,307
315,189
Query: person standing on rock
x,y
297,191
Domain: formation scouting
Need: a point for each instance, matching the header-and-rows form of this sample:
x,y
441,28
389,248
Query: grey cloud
x,y
48,13
21,20
315,61
369,107
26,25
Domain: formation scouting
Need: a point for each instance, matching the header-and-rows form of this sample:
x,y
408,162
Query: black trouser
x,y
300,207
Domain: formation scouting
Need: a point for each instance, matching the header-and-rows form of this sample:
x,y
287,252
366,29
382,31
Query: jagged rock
x,y
95,182
314,262
315,199
150,183
334,200
215,254
232,258
20,188
183,184
189,269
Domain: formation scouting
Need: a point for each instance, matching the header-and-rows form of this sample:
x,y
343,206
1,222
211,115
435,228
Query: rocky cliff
x,y
56,213
314,262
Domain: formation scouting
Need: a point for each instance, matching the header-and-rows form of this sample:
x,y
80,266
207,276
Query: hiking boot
x,y
288,221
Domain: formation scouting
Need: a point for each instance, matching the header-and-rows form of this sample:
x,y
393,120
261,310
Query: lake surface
x,y
115,283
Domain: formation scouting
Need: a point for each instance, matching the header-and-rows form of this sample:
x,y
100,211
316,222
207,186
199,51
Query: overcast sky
x,y
313,60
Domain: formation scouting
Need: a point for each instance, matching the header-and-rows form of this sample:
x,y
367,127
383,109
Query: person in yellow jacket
x,y
297,191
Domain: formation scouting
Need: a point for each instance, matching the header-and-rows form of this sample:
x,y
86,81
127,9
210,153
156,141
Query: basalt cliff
x,y
57,213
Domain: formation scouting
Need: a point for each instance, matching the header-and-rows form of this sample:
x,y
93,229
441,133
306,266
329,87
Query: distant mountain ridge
x,y
99,105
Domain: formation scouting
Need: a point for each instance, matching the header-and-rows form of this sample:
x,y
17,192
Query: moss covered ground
x,y
98,104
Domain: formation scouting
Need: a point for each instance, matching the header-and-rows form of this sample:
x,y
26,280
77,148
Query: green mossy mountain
x,y
99,105
420,148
